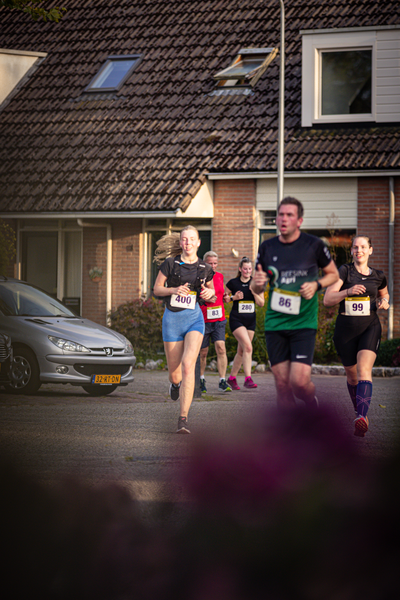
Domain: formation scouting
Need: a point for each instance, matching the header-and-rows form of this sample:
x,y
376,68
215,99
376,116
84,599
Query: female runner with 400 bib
x,y
182,280
360,291
242,321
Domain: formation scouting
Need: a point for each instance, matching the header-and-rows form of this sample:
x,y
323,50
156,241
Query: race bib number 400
x,y
214,312
188,301
287,302
357,306
246,307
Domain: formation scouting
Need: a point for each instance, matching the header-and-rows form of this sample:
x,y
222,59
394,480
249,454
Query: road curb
x,y
339,370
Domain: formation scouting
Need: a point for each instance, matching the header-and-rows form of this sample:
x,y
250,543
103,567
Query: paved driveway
x,y
129,436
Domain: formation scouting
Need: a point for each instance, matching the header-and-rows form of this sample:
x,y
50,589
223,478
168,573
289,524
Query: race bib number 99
x,y
188,301
286,302
357,306
246,307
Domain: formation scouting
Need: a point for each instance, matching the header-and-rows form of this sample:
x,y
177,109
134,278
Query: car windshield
x,y
21,299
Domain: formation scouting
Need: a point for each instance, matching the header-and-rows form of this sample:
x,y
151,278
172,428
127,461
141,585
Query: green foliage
x,y
36,12
325,352
140,321
388,353
7,246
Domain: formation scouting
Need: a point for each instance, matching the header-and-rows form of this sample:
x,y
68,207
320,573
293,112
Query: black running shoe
x,y
174,391
183,425
203,388
224,386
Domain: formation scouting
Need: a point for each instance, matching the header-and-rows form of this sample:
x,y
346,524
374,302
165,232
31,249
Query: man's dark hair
x,y
291,200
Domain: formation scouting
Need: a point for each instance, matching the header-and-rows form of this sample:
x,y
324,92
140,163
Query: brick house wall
x,y
127,260
94,254
126,266
373,220
234,223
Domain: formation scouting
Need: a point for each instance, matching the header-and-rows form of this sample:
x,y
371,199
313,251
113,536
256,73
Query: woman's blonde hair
x,y
170,245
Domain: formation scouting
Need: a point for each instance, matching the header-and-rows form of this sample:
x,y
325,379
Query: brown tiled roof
x,y
149,146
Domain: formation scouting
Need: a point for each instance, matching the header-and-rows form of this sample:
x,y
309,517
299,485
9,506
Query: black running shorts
x,y
353,334
296,345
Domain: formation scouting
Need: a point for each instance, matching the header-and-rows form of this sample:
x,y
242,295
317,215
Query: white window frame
x,y
312,46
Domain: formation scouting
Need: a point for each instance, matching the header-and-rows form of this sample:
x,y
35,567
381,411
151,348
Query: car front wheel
x,y
24,373
99,390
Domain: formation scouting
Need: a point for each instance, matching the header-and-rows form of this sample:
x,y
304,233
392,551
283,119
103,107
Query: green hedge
x,y
388,353
140,322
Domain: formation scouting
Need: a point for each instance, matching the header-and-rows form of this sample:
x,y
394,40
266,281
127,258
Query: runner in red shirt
x,y
215,322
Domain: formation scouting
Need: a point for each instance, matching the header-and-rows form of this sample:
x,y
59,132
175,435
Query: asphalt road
x,y
129,436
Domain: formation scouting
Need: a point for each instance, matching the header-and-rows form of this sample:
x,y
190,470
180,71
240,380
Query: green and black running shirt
x,y
288,266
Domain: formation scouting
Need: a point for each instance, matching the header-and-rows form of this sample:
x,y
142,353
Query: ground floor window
x,y
337,240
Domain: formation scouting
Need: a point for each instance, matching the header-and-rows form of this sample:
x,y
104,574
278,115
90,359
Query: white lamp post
x,y
281,131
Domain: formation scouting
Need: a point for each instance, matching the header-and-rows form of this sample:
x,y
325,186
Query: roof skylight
x,y
247,67
113,73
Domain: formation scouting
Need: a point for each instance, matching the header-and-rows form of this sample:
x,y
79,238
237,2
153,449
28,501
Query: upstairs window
x,y
247,67
114,72
346,82
338,76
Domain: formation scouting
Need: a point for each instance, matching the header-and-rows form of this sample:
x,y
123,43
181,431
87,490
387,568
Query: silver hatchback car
x,y
53,345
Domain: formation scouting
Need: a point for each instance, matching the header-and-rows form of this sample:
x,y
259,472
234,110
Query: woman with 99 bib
x,y
360,291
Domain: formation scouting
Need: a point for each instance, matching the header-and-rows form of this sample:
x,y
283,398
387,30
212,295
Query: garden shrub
x,y
140,322
325,351
388,353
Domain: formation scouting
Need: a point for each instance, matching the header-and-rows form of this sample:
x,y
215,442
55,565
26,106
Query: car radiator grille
x,y
4,352
102,369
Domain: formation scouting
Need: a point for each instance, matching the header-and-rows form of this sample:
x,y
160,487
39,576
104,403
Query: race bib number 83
x,y
214,312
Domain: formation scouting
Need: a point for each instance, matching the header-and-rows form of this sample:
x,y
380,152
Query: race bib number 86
x,y
286,302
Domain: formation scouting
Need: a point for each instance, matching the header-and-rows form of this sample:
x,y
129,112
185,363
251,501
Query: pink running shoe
x,y
249,383
233,383
361,425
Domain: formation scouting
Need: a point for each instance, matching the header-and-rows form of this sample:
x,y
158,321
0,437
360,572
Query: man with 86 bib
x,y
291,262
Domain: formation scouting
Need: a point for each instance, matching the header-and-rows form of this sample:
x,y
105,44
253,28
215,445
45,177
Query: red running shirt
x,y
216,310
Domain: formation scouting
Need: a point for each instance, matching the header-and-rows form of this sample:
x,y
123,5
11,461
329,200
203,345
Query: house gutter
x,y
296,174
163,214
109,263
391,256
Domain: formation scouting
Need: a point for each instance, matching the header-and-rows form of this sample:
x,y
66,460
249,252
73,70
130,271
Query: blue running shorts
x,y
175,325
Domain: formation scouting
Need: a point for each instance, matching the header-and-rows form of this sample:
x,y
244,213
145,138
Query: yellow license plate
x,y
106,379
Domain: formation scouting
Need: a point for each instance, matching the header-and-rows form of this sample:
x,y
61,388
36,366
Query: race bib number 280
x,y
286,302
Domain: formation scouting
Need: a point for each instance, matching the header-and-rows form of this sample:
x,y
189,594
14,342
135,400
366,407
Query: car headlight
x,y
128,347
67,345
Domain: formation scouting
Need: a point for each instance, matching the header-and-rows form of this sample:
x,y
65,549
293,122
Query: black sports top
x,y
373,282
188,273
237,285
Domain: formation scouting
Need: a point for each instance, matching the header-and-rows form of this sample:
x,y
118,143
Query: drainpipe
x,y
391,256
109,262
